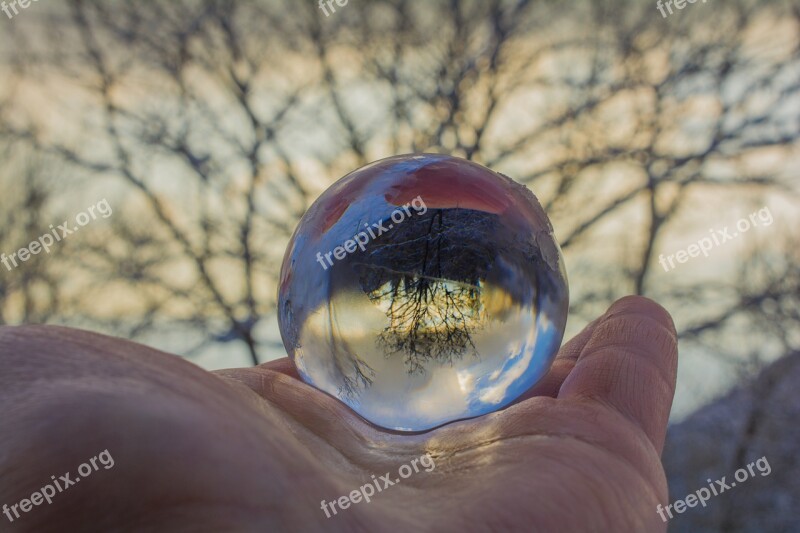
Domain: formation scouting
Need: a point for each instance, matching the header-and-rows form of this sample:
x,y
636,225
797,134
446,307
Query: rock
x,y
755,420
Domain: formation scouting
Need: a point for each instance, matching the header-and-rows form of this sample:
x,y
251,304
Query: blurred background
x,y
210,126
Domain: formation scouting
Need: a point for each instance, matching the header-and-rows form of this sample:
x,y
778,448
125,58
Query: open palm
x,y
259,450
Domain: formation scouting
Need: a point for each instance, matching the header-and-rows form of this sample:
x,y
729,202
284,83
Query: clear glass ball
x,y
423,289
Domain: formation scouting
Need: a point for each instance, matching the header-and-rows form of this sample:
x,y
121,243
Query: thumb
x,y
630,365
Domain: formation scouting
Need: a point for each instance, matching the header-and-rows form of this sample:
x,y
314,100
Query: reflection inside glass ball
x,y
423,289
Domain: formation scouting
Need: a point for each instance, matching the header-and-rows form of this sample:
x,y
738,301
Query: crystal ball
x,y
423,289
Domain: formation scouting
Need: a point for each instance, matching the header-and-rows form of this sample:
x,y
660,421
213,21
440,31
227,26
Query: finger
x,y
283,365
550,384
630,364
278,382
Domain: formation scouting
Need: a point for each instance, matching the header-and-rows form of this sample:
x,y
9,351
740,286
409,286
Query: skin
x,y
257,449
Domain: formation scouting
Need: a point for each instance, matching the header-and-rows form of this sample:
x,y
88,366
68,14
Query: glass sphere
x,y
422,289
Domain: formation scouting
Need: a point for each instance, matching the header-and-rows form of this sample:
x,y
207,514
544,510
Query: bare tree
x,y
29,284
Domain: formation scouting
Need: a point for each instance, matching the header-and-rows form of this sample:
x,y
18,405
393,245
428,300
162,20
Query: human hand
x,y
258,450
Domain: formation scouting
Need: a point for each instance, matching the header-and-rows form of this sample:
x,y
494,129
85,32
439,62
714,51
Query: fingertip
x,y
641,306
